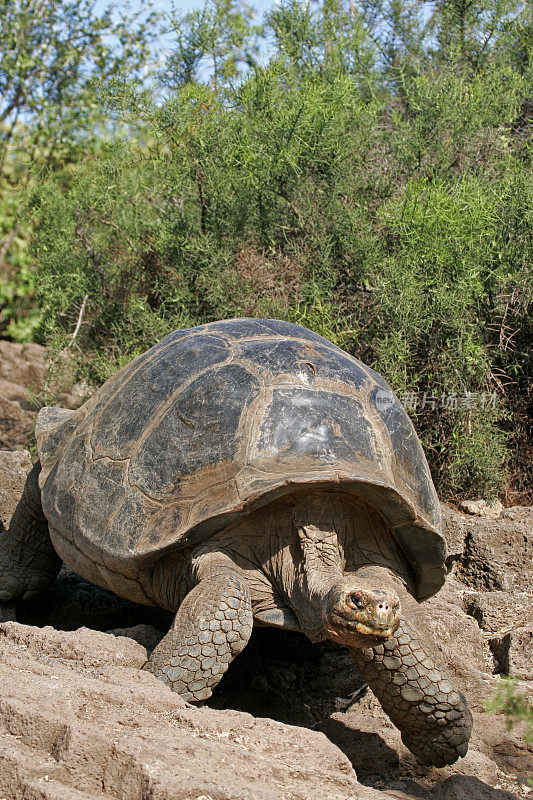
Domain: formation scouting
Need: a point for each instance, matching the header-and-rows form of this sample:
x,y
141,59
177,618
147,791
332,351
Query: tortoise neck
x,y
320,560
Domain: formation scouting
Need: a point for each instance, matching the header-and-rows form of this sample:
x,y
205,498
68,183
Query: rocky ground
x,y
25,379
78,719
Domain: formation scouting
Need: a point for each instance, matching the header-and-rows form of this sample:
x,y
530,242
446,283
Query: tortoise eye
x,y
357,599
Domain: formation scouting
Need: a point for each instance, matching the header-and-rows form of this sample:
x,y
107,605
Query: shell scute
x,y
132,529
306,428
244,328
409,465
199,434
306,361
121,421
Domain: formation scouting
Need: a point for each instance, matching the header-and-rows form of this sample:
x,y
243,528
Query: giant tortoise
x,y
250,471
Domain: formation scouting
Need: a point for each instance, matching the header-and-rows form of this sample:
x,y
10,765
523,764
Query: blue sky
x,y
181,5
165,6
187,5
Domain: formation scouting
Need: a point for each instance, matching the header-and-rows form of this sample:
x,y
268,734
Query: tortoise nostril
x,y
383,606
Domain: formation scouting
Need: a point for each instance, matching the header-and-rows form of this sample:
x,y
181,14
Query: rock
x,y
489,557
483,509
458,645
23,374
455,527
76,396
16,425
24,365
507,748
465,787
497,611
513,652
146,635
518,512
371,742
89,649
13,392
479,765
14,468
81,720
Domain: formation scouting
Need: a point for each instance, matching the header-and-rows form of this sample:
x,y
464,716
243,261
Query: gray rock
x,y
371,743
81,720
146,635
459,645
522,513
483,509
498,611
13,392
24,365
513,652
76,396
465,787
455,527
486,556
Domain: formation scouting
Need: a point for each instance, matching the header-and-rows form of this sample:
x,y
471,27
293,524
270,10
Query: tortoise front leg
x,y
431,714
212,626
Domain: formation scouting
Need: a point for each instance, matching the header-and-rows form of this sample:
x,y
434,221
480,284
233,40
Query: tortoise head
x,y
359,614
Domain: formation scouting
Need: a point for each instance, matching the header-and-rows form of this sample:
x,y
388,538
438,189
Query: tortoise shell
x,y
216,421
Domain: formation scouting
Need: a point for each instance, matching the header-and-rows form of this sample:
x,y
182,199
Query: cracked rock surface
x,y
77,713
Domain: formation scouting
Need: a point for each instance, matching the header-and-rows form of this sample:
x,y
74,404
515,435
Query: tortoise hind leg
x,y
28,561
213,625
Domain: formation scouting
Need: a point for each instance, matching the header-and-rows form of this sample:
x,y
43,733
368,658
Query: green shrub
x,y
383,202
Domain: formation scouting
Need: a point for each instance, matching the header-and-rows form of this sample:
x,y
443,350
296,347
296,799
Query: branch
x,y
4,250
203,209
78,323
118,228
94,258
67,347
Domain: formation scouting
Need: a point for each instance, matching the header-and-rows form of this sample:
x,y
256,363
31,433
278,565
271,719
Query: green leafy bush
x,y
377,192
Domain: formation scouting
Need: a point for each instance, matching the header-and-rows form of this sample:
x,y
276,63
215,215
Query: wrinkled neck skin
x,y
319,565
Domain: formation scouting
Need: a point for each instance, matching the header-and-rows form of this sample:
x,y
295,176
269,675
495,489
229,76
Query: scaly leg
x,y
213,625
431,714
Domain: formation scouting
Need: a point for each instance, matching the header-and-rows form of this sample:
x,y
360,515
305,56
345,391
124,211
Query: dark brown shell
x,y
218,420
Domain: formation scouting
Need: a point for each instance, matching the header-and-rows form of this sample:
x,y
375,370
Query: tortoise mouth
x,y
381,633
358,633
